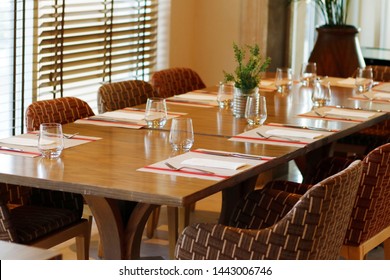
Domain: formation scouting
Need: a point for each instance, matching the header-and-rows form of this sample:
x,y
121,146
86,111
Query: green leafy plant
x,y
335,12
248,72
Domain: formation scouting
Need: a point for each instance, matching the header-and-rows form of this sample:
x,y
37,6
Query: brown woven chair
x,y
60,110
369,224
43,218
177,80
118,95
362,142
275,224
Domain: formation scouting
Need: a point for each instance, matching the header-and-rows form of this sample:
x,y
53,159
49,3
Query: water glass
x,y
51,140
225,95
283,79
256,109
181,136
321,93
308,73
364,79
156,112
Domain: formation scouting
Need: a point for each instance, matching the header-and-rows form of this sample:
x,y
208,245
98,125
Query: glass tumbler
x,y
225,95
308,73
156,112
321,94
364,79
256,110
283,79
51,140
181,136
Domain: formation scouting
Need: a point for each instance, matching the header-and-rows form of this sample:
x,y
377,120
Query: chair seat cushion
x,y
33,222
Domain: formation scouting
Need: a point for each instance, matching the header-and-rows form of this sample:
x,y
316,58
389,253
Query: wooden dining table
x,y
121,197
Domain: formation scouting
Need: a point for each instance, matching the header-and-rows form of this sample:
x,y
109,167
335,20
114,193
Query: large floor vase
x,y
239,101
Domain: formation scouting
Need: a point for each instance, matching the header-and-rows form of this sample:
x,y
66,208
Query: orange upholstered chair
x,y
118,95
177,80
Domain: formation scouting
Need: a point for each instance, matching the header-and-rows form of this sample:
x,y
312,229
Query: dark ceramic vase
x,y
337,51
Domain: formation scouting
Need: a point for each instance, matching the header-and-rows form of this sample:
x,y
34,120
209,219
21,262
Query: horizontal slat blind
x,y
83,43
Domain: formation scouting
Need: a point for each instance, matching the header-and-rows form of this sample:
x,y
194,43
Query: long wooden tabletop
x,y
105,171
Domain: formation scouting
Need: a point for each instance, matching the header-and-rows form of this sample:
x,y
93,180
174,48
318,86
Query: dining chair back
x,y
118,95
276,224
60,110
369,223
176,80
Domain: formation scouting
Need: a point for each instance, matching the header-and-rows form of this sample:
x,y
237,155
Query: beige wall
x,y
200,33
201,36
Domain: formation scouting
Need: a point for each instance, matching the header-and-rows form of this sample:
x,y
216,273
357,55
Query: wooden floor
x,y
157,248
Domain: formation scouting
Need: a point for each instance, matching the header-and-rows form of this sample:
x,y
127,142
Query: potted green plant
x,y
247,75
337,50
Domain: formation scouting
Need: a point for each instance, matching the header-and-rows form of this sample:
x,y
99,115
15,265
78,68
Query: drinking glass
x,y
256,109
321,93
225,95
51,140
308,73
364,79
283,79
181,136
156,112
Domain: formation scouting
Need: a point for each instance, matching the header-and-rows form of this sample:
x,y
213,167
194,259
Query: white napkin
x,y
213,163
349,113
122,115
382,95
348,81
266,83
293,133
197,96
24,141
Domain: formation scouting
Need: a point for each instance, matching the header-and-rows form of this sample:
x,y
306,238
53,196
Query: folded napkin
x,y
24,141
123,115
349,113
382,95
348,81
213,163
197,96
266,83
382,87
293,133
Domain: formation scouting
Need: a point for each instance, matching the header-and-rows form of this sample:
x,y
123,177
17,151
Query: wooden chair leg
x,y
386,248
83,242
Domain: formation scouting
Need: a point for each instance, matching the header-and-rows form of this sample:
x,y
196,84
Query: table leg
x,y
230,197
120,239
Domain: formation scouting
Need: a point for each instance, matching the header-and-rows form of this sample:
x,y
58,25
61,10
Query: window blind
x,y
83,43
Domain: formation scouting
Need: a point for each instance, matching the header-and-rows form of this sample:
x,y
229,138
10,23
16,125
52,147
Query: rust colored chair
x,y
118,95
60,110
177,80
45,218
275,224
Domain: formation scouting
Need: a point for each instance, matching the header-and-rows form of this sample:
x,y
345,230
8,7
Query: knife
x,y
307,127
97,118
227,154
10,149
357,108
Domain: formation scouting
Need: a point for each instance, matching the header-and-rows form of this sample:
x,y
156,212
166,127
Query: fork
x,y
70,136
270,136
185,167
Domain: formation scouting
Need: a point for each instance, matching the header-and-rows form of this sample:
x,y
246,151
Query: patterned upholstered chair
x,y
177,80
43,218
275,224
369,224
118,95
60,110
362,142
